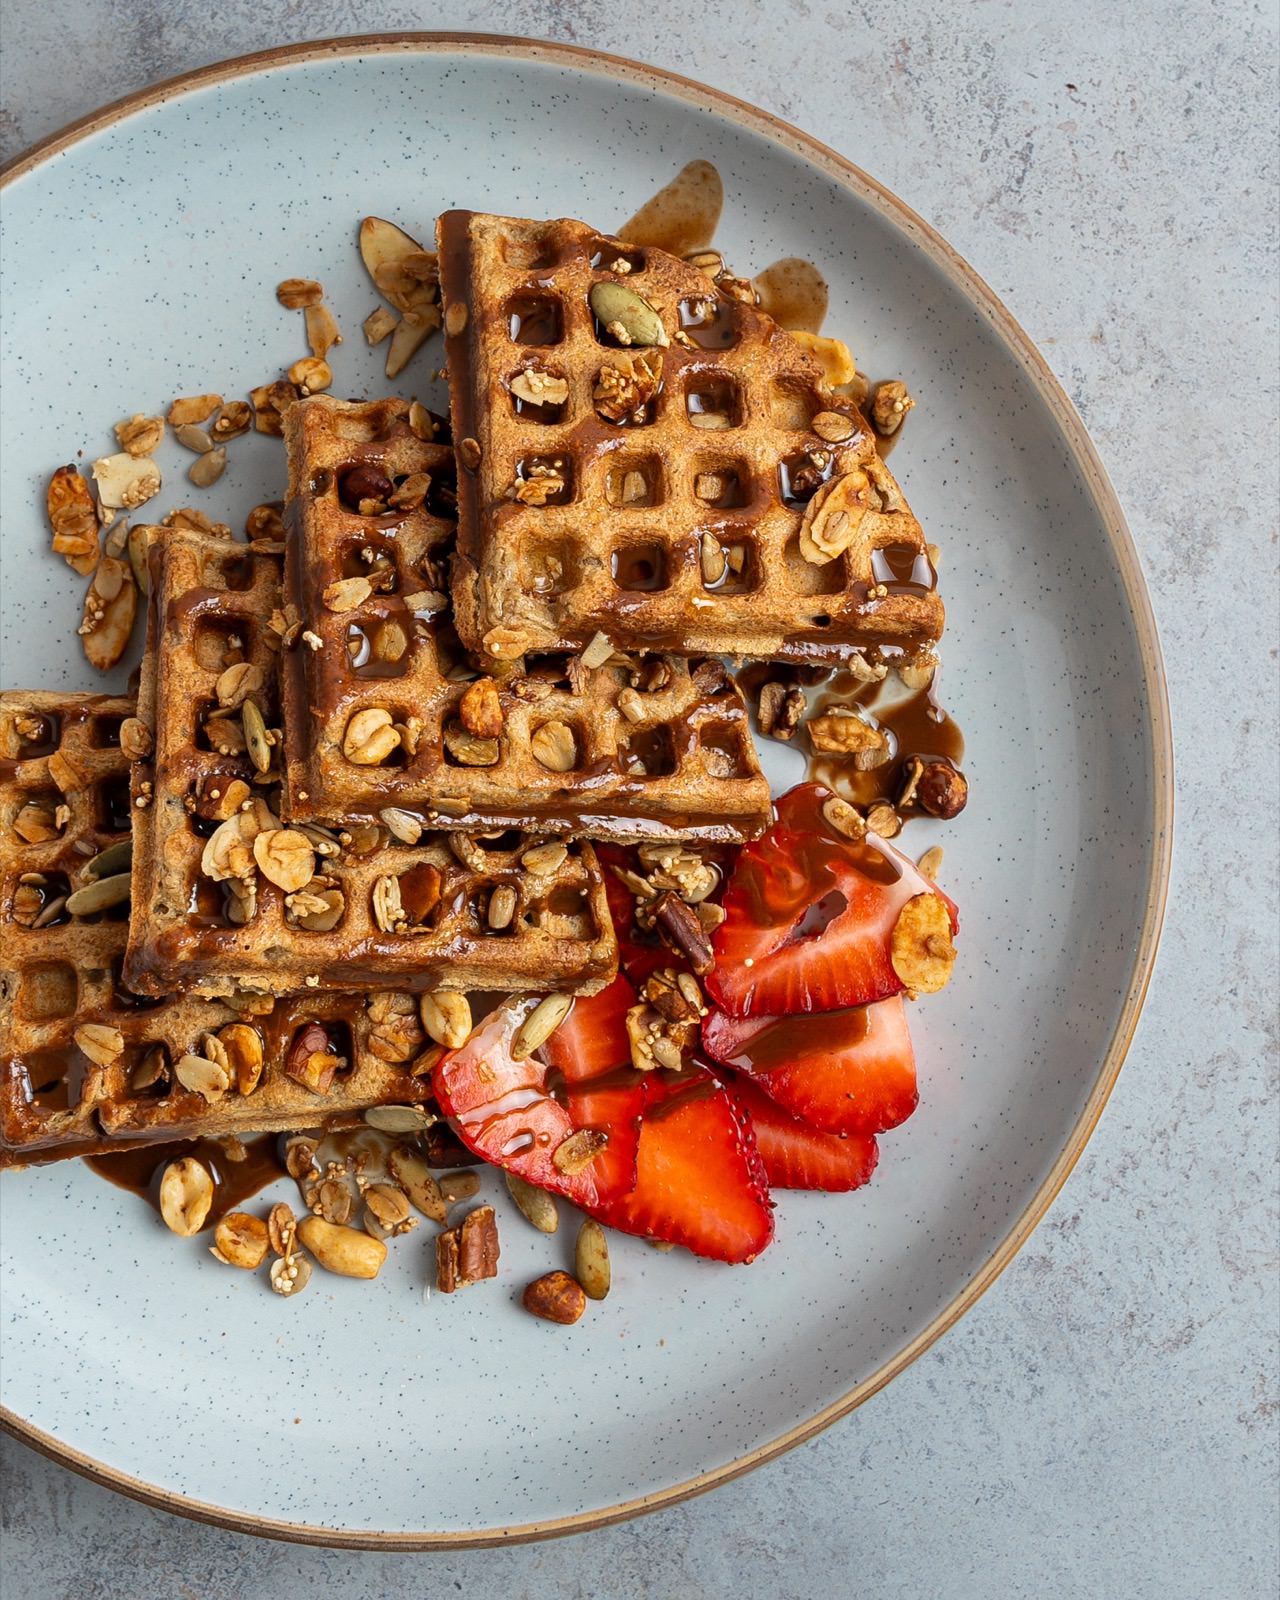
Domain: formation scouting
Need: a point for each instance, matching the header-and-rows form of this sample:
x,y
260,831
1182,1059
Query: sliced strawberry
x,y
699,1178
504,1110
848,1071
809,915
797,1156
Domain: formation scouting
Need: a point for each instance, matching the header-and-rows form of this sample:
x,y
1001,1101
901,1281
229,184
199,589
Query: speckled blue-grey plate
x,y
140,251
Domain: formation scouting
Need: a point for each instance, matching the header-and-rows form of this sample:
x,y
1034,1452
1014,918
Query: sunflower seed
x,y
540,1024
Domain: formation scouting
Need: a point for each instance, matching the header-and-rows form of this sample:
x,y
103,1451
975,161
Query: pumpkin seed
x,y
398,1119
591,1260
535,1204
455,1186
100,895
410,1171
619,304
255,735
116,858
540,1024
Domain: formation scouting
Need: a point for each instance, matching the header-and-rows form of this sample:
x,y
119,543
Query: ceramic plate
x,y
141,250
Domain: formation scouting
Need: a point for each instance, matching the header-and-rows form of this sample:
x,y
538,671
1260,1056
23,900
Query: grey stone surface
x,y
1105,1421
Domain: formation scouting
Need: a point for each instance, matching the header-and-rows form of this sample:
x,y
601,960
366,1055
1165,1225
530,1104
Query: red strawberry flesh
x,y
845,1072
797,1156
809,916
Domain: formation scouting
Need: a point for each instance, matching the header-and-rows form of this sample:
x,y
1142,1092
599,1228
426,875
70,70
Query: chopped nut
x,y
832,355
680,928
889,406
240,1240
844,818
109,610
101,1043
186,1196
270,401
233,419
468,1252
834,514
624,387
73,520
843,732
666,995
469,453
942,790
346,594
713,560
285,858
506,644
388,1204
322,331
370,737
455,318
379,324
345,1251
480,709
242,1047
781,710
554,747
312,375
281,1223
202,1077
36,823
598,650
446,1017
930,862
576,1153
193,408
139,435
882,819
538,387
237,682
208,468
295,294
555,1297
920,947
264,522
125,481
467,749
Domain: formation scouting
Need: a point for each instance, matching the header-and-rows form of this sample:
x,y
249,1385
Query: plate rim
x,y
1021,347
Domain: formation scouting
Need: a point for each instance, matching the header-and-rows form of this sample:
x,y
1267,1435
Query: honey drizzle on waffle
x,y
684,769
203,593
56,1101
517,297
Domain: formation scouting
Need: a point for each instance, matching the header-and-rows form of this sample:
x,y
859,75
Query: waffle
x,y
651,750
63,750
676,528
209,915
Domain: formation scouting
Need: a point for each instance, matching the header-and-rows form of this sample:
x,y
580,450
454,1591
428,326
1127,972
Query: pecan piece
x,y
468,1252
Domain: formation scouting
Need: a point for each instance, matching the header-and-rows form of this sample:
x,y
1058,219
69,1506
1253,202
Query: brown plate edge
x,y
1020,345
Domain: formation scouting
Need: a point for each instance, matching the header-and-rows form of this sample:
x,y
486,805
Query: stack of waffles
x,y
366,763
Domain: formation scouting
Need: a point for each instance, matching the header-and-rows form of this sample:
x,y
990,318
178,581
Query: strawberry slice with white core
x,y
810,914
844,1072
797,1156
520,1114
